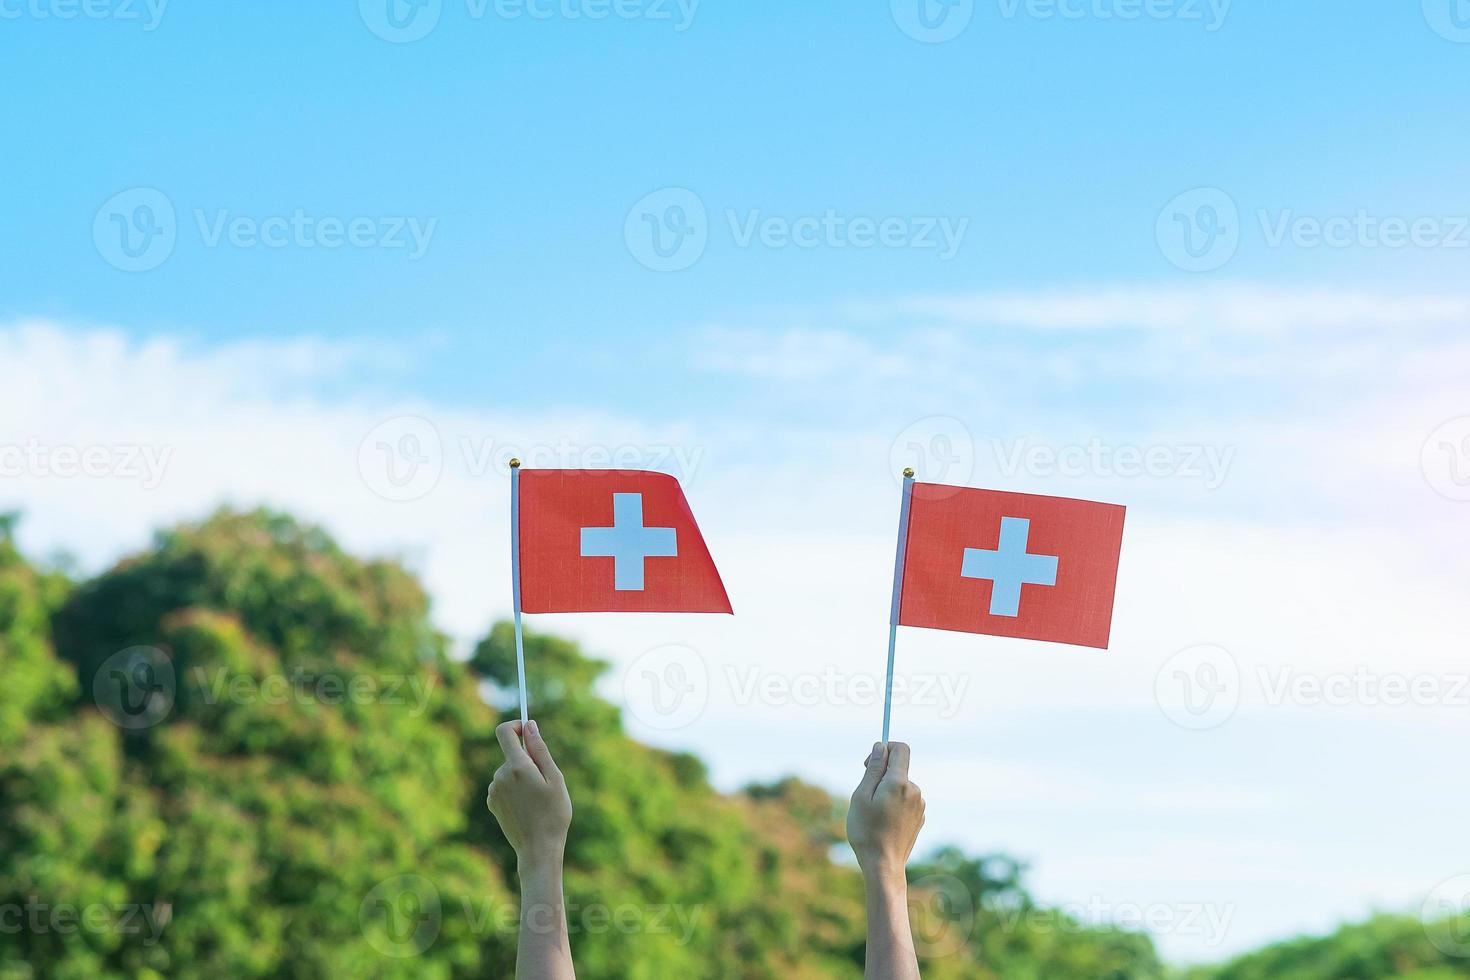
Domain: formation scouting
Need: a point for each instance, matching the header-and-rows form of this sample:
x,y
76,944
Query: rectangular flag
x,y
1008,564
611,541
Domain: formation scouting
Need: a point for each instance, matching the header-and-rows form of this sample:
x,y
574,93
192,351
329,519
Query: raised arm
x,y
883,822
529,798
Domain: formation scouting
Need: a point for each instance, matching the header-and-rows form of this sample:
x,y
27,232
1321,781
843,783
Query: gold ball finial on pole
x,y
908,472
515,464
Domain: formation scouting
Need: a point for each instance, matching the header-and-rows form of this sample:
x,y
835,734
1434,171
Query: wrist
x,y
542,867
887,876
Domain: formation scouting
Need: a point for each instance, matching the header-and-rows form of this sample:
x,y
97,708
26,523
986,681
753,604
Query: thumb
x,y
876,763
539,753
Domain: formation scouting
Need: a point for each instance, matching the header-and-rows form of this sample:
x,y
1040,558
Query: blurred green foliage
x,y
245,753
1384,946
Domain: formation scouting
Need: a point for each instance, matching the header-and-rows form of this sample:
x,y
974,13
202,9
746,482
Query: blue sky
x,y
1299,376
529,140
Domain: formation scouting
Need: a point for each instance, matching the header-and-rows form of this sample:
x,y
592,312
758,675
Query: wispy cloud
x,y
1243,308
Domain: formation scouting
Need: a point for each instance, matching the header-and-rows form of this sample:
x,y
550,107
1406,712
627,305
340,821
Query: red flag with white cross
x,y
1004,564
1011,564
611,541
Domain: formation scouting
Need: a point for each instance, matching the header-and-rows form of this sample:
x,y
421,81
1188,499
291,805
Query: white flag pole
x,y
903,540
515,579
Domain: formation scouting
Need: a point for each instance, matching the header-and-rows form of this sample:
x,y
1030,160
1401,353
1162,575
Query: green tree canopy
x,y
257,747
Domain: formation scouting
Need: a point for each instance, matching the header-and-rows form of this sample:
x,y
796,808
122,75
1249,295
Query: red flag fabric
x,y
1010,564
612,541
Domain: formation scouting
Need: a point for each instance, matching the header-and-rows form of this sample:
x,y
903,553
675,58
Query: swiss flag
x,y
1010,564
611,541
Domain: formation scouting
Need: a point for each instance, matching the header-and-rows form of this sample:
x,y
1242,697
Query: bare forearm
x,y
890,941
545,953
